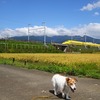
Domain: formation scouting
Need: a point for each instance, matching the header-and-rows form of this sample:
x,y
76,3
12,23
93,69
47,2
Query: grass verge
x,y
79,69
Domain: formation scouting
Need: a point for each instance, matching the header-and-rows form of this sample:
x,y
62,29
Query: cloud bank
x,y
91,29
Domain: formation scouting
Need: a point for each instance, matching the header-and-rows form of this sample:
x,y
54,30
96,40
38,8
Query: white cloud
x,y
90,7
91,29
96,13
63,31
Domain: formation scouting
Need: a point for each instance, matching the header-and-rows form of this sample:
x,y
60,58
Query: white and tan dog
x,y
63,84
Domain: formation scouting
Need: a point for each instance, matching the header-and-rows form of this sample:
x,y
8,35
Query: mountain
x,y
57,39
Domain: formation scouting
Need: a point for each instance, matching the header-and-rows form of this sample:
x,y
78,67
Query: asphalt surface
x,y
23,84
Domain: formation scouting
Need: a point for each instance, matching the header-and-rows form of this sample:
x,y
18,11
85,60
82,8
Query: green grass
x,y
83,70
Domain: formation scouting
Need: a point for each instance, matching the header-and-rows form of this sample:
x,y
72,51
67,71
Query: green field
x,y
12,46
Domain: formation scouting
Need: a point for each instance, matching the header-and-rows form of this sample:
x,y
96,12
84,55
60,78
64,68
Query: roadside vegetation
x,y
83,65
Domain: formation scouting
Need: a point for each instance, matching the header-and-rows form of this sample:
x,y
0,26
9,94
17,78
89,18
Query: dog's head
x,y
71,83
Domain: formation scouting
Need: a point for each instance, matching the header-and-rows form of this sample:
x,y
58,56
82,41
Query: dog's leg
x,y
55,89
67,94
63,94
55,86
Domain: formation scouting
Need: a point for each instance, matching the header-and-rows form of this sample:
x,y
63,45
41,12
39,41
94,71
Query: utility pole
x,y
85,37
43,23
72,36
93,40
28,32
85,40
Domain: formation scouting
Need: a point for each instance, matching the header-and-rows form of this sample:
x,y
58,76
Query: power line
x,y
44,29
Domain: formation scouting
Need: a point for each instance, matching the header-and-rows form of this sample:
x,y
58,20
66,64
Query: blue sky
x,y
62,17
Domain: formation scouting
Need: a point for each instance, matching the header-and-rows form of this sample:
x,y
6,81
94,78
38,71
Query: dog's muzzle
x,y
73,89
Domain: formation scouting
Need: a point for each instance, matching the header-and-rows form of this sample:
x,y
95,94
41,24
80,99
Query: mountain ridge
x,y
57,39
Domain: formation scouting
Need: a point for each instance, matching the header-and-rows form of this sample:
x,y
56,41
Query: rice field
x,y
64,59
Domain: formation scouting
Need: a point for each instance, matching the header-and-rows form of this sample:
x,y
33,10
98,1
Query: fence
x,y
26,48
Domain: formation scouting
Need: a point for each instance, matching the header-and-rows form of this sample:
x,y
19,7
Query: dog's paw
x,y
68,98
63,95
55,93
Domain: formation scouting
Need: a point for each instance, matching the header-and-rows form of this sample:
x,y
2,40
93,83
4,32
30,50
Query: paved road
x,y
23,84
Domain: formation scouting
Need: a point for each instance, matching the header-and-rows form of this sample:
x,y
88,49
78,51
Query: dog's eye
x,y
71,83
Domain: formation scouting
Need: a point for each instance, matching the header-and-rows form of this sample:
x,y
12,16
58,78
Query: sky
x,y
60,17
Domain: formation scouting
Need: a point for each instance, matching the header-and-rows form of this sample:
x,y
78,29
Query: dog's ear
x,y
75,79
67,79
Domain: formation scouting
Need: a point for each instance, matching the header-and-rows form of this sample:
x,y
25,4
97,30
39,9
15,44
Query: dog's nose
x,y
74,88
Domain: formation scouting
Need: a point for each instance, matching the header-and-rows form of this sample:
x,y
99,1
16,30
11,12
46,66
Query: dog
x,y
63,85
